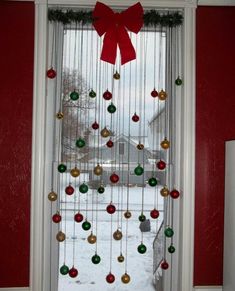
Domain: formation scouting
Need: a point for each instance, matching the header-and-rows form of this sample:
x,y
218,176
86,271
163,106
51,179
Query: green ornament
x,y
171,249
74,95
111,108
169,232
86,225
64,270
83,188
142,248
92,94
96,259
152,182
101,189
178,81
80,143
62,168
142,217
139,170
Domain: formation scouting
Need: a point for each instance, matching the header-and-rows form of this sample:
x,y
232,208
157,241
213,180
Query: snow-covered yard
x,y
139,266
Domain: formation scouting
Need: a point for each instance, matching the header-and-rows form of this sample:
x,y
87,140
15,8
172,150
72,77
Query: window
x,y
56,144
121,148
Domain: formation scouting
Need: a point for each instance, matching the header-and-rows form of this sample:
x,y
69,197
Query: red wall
x,y
215,123
16,87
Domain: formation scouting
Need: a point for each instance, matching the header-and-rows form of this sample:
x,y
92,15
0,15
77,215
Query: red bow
x,y
114,26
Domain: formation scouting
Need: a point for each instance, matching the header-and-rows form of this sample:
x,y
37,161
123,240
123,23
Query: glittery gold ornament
x,y
75,172
164,191
60,236
120,258
165,144
52,196
117,235
125,278
105,132
140,146
98,170
59,115
116,76
127,214
162,95
91,238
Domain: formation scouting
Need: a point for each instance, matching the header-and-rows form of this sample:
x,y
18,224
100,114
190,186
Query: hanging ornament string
x,y
154,56
154,114
52,193
78,217
168,81
119,156
136,74
144,114
140,94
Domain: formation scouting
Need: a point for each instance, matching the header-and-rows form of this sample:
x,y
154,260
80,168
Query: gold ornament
x,y
120,258
162,95
60,236
59,115
125,278
105,132
52,196
140,146
117,235
91,238
164,191
127,214
98,170
116,76
165,144
75,172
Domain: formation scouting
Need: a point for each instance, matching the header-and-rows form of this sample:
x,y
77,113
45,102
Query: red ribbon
x,y
114,26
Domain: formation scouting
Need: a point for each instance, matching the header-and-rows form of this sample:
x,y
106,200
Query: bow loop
x,y
114,28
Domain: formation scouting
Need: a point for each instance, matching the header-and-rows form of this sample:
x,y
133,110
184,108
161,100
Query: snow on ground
x,y
139,266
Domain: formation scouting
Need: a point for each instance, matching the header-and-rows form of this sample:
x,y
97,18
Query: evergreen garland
x,y
151,17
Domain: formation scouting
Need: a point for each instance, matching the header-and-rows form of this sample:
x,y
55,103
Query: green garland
x,y
151,17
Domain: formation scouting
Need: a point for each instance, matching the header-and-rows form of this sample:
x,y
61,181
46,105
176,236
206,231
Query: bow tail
x,y
127,50
109,50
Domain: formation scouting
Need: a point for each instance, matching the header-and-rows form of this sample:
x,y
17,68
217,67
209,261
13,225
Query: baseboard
x,y
15,289
207,288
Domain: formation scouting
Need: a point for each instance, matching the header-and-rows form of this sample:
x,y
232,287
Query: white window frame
x,y
40,231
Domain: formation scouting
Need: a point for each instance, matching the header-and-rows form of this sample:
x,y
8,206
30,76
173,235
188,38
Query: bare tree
x,y
77,115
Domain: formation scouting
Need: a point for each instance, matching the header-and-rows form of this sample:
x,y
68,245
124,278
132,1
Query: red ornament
x,y
154,213
109,143
111,208
135,118
113,26
110,278
95,125
73,272
78,217
164,265
154,93
114,178
161,165
51,73
107,95
69,190
175,194
56,218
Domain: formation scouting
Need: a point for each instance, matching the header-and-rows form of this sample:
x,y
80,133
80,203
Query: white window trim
x,y
39,249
